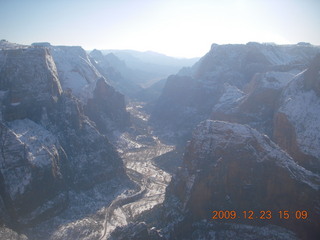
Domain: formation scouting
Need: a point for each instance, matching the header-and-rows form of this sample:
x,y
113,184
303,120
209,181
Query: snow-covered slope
x,y
300,107
258,102
229,98
297,122
31,171
75,69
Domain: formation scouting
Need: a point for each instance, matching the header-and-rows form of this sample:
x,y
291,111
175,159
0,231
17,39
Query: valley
x,y
140,168
87,152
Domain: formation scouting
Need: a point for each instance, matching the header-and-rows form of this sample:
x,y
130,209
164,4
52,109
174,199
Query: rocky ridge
x,y
260,71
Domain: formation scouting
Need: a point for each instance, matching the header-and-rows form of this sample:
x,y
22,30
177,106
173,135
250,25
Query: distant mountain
x,y
155,66
152,57
121,77
132,72
152,93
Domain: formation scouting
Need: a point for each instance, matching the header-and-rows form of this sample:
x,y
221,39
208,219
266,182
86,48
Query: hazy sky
x,y
181,28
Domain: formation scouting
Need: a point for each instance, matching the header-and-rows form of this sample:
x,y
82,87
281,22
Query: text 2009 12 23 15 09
x,y
263,214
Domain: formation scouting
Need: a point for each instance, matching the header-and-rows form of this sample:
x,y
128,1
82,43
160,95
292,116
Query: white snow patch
x,y
303,111
41,145
76,71
278,80
231,95
125,143
15,103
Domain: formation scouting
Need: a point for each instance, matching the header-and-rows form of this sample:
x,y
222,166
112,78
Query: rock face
x,y
92,158
47,144
28,82
260,71
256,104
32,163
297,121
229,166
75,69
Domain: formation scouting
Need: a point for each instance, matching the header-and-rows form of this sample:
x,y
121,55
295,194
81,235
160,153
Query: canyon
x,y
89,151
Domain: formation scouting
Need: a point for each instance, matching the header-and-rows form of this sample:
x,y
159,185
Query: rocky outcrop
x,y
255,105
297,121
32,163
29,81
229,166
260,71
107,108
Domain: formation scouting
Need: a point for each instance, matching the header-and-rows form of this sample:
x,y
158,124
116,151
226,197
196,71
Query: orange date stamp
x,y
263,215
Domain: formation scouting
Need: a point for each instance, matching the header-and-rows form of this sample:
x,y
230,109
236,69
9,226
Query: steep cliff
x,y
79,75
75,69
32,163
47,144
28,82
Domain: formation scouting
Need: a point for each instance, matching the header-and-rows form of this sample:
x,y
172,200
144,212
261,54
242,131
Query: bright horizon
x,y
175,28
